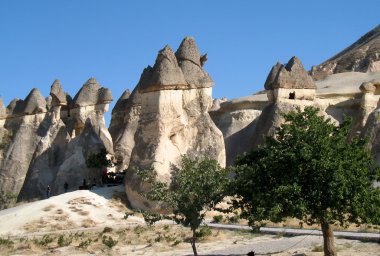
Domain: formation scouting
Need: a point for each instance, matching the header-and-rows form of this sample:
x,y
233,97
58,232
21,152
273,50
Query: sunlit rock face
x,y
175,98
46,142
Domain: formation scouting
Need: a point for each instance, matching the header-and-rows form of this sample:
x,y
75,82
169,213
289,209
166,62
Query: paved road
x,y
291,231
300,238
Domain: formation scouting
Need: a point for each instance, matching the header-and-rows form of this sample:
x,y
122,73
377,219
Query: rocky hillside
x,y
361,56
171,113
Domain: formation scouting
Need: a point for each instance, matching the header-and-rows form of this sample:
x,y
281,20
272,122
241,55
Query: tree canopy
x,y
311,171
98,160
197,186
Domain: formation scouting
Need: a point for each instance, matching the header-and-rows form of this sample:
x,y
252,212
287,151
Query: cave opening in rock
x,y
292,95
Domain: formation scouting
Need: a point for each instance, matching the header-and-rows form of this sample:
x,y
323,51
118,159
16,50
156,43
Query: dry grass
x,y
87,223
48,208
150,240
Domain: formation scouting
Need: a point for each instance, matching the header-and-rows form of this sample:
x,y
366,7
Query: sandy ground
x,y
344,83
73,210
92,223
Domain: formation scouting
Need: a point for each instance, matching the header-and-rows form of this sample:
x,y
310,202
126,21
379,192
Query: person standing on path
x,y
48,191
66,186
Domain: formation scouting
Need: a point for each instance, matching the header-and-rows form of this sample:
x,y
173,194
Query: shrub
x,y
217,218
63,241
107,230
203,232
85,243
109,242
6,242
7,199
45,241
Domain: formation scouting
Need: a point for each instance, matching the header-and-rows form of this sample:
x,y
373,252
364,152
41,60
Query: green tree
x,y
98,160
310,171
197,186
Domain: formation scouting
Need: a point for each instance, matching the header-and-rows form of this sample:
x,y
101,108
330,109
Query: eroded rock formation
x,y
174,119
47,142
290,81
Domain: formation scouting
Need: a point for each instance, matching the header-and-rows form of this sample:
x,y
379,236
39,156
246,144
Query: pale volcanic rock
x,y
124,123
3,109
36,143
237,119
89,105
118,113
173,122
19,153
370,87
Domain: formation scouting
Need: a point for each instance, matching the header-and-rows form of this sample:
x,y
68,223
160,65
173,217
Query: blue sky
x,y
72,40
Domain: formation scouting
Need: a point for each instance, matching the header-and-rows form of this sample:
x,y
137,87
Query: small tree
x,y
196,187
309,171
98,160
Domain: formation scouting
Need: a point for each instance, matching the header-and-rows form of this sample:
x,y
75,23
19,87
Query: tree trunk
x,y
193,244
328,239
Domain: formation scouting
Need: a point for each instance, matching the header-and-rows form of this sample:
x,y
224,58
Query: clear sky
x,y
113,40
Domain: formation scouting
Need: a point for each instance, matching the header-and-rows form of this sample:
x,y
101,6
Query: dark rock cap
x,y
191,62
122,101
179,71
34,102
291,76
188,50
91,94
165,73
57,94
272,76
